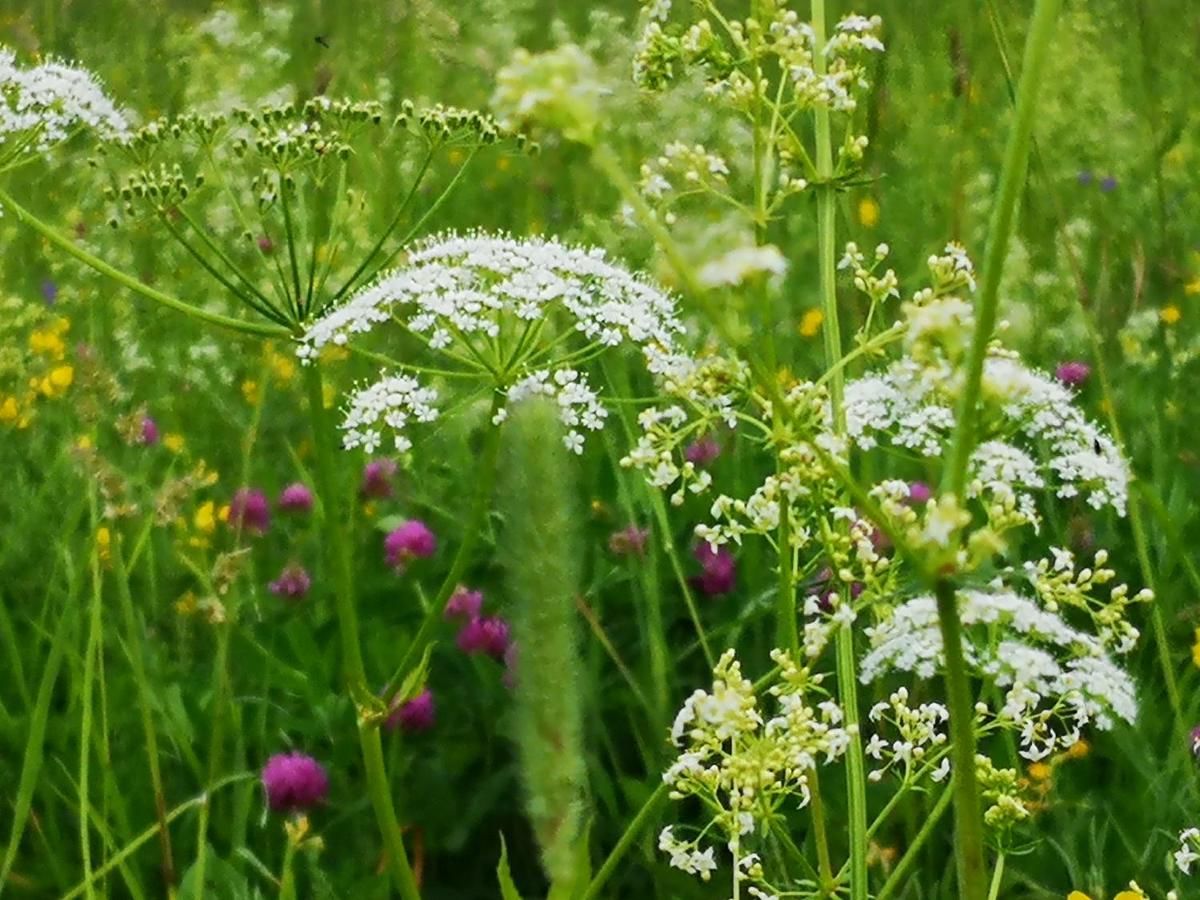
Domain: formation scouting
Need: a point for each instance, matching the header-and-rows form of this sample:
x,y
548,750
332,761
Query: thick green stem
x,y
856,780
821,836
336,518
997,878
968,823
27,218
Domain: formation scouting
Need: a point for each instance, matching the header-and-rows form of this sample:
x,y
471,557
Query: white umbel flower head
x,y
523,313
43,105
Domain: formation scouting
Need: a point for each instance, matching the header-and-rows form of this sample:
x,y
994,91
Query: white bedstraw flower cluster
x,y
877,287
1189,850
743,264
43,105
1051,672
507,309
744,765
920,745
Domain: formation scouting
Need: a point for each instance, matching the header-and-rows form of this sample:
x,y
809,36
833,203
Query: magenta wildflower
x,y
377,479
250,511
463,604
629,541
292,584
719,570
149,431
485,634
265,244
702,451
296,497
412,540
919,492
294,782
1196,741
415,715
1074,373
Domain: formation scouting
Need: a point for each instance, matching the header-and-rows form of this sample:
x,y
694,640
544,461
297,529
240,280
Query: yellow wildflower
x,y
1170,314
173,441
56,383
9,410
810,323
785,378
1192,287
284,367
868,212
186,605
1078,895
205,519
103,542
1196,650
47,343
84,442
1078,750
250,391
1039,771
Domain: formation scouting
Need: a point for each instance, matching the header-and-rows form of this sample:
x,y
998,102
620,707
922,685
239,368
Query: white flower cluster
x,y
1189,850
505,308
877,287
1030,652
391,403
920,745
43,105
744,766
578,405
743,264
1035,435
845,76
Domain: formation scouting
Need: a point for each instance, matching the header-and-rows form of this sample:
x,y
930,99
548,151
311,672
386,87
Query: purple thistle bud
x,y
1086,177
702,451
49,291
377,479
412,540
485,634
463,604
415,715
1108,185
292,584
719,570
294,782
1074,373
630,541
919,492
296,497
149,431
265,244
250,511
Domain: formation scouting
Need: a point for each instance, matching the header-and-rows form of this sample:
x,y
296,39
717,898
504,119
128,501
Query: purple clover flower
x,y
629,541
719,570
296,498
415,715
463,604
294,782
250,511
149,432
412,540
485,634
292,584
1073,373
377,478
702,451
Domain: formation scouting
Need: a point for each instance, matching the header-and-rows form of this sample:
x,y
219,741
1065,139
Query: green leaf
x,y
508,890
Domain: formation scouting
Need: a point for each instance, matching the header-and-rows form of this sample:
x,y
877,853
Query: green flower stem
x,y
968,822
997,878
821,837
856,778
62,242
329,489
136,640
632,830
909,860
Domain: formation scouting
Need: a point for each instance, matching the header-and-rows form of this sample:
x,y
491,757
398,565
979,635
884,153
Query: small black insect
x,y
1096,446
320,39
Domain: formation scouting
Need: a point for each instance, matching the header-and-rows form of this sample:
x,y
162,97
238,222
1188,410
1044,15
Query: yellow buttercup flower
x,y
868,212
205,519
47,343
1130,895
250,391
1196,649
1170,314
1039,771
1078,895
103,542
9,411
1078,750
810,323
173,441
56,383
